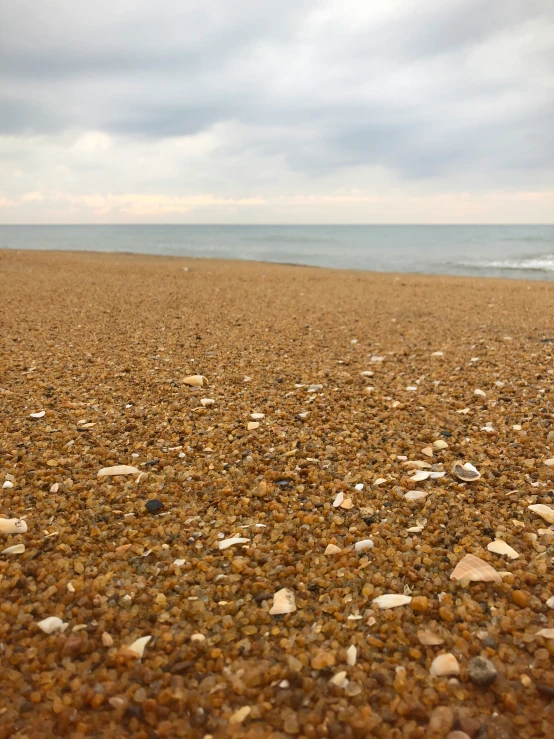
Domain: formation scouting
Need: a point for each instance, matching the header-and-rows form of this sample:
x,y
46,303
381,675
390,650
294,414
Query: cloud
x,y
253,99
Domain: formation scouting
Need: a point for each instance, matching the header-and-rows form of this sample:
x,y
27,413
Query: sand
x,y
102,343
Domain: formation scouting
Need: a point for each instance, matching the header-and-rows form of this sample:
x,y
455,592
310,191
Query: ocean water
x,y
486,251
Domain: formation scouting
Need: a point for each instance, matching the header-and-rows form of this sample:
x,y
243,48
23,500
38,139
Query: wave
x,y
541,263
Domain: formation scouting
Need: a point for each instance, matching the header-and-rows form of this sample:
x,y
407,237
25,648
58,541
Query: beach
x,y
324,382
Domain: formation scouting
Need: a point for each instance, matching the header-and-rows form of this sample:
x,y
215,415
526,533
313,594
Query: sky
x,y
277,111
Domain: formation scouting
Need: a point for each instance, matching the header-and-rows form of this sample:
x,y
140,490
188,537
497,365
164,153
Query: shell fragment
x,y
283,602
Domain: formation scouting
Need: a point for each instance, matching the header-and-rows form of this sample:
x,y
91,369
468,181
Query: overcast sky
x,y
277,111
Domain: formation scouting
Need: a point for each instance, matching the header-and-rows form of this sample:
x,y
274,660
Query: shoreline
x,y
324,383
238,260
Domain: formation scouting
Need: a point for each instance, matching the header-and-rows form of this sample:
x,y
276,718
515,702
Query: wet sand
x,y
102,343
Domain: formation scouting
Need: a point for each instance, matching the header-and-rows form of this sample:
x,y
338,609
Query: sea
x,y
525,252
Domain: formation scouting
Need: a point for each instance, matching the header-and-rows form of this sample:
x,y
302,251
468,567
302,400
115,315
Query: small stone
x,y
457,735
440,722
290,724
323,659
444,665
520,598
481,671
446,613
107,640
239,716
420,603
154,505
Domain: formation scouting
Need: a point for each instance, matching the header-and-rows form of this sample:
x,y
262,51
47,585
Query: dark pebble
x,y
154,506
481,671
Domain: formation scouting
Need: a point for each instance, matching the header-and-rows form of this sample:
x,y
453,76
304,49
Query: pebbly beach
x,y
254,500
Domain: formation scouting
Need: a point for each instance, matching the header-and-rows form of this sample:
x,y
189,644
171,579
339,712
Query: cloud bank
x,y
257,111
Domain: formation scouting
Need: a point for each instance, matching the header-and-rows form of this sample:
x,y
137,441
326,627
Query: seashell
x,y
481,393
55,487
70,587
475,569
440,444
179,562
12,526
517,427
415,529
544,511
40,414
549,462
550,602
253,425
198,638
444,665
226,543
138,646
51,624
107,640
119,469
206,402
257,416
413,464
498,546
465,411
195,380
367,373
16,549
375,358
369,389
360,546
332,549
241,715
340,679
283,602
391,600
546,633
314,388
351,655
428,451
420,475
437,354
359,486
354,617
429,638
415,495
411,388
8,485
465,472
379,481
338,500
436,475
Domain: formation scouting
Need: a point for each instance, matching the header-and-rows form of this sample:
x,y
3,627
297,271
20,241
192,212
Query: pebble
x,y
153,506
481,671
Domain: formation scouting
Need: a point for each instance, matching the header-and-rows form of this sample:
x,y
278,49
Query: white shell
x,y
379,481
482,393
340,679
12,526
392,600
16,549
549,462
475,569
198,638
40,414
107,639
359,486
500,547
139,645
253,425
429,638
420,475
543,511
351,655
179,562
195,380
440,444
360,546
226,543
550,602
415,495
546,633
437,354
257,416
338,500
466,472
55,487
415,529
119,469
428,451
51,624
332,549
7,485
443,665
283,602
206,401
239,716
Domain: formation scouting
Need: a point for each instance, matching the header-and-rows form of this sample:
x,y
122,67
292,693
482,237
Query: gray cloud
x,y
429,89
